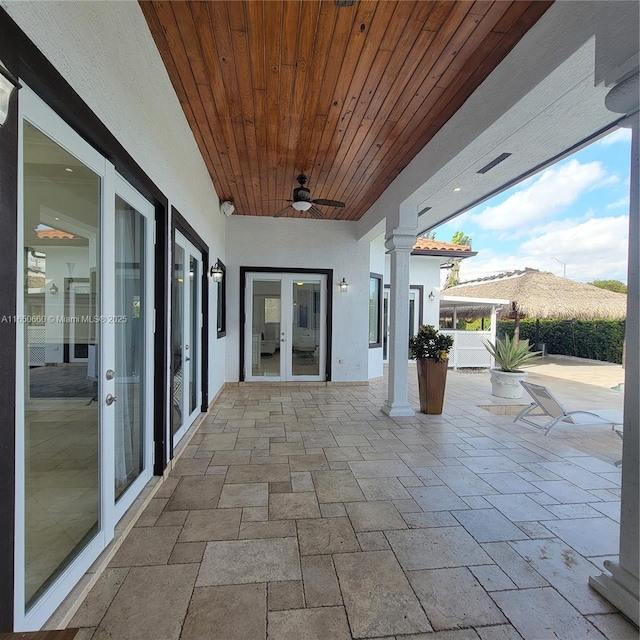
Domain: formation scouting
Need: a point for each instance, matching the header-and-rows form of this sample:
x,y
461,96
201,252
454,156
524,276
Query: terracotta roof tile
x,y
53,234
424,244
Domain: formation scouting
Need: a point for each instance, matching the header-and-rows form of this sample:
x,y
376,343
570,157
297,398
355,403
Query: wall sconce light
x,y
344,285
431,297
53,290
7,86
216,272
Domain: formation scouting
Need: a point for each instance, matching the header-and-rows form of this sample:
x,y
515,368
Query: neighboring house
x,y
130,293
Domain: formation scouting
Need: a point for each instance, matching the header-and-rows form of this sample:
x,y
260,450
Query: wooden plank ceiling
x,y
345,95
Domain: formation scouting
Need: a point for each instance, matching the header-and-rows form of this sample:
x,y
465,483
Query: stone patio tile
x,y
407,506
457,634
243,474
614,626
488,525
187,552
379,469
500,632
271,529
301,481
463,481
279,487
520,507
151,604
152,512
578,476
219,470
167,487
291,506
588,536
384,489
320,582
326,535
259,434
95,605
453,598
492,578
287,449
432,519
436,548
255,514
350,441
374,516
191,467
224,458
565,570
196,492
336,486
572,511
313,462
244,495
333,510
372,541
565,492
218,442
436,498
512,563
285,595
321,439
235,612
609,509
246,561
146,546
171,519
491,464
560,619
211,524
309,624
378,607
86,633
342,454
508,482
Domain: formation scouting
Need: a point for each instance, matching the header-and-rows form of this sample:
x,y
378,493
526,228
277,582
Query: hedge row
x,y
594,339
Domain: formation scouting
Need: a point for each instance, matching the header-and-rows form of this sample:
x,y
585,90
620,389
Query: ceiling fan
x,y
302,201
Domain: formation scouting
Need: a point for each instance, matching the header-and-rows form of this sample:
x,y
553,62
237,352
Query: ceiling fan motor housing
x,y
301,193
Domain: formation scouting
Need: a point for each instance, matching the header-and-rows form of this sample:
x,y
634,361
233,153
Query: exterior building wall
x,y
377,260
309,244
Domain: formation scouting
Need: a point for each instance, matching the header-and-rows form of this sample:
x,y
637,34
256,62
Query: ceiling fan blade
x,y
316,213
328,203
282,211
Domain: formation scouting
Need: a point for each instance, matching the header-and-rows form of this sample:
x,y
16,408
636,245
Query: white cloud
x,y
550,193
618,204
619,135
595,248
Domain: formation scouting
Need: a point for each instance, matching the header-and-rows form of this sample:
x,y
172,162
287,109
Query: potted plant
x,y
509,355
430,349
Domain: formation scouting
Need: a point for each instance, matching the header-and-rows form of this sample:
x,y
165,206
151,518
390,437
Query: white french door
x,y
84,420
286,327
186,328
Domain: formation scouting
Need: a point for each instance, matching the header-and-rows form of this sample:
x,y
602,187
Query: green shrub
x,y
593,339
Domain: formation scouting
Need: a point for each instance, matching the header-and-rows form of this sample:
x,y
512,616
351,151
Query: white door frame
x,y
417,290
33,110
286,280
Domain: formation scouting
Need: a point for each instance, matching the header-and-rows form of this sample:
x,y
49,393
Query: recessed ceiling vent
x,y
494,162
344,3
424,210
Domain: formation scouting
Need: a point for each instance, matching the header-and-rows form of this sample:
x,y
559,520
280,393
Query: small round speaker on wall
x,y
227,208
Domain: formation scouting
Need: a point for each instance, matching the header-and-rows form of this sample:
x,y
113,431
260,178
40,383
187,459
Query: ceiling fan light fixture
x,y
301,205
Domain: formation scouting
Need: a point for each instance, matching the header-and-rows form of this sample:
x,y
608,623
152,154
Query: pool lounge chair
x,y
547,405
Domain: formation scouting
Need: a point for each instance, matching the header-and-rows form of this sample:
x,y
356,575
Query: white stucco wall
x,y
106,53
376,265
311,244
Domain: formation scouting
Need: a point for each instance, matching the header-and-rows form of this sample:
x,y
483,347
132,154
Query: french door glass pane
x,y
129,344
265,328
194,342
177,338
62,210
305,329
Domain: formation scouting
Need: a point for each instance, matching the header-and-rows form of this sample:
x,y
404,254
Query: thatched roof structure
x,y
542,295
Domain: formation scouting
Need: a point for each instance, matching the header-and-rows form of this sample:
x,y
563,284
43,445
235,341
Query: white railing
x,y
469,350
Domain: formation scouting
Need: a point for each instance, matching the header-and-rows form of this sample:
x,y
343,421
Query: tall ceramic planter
x,y
432,376
506,384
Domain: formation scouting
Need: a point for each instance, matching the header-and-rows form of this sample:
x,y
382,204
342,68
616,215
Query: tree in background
x,y
459,237
429,235
610,285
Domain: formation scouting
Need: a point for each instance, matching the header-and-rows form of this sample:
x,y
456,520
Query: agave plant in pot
x,y
509,355
430,349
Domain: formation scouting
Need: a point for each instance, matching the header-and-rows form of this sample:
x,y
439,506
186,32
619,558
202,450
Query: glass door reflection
x,y
305,331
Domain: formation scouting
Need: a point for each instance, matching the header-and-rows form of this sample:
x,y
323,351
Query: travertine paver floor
x,y
304,513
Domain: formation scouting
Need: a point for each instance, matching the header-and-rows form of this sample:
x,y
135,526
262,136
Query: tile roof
x,y
424,244
53,234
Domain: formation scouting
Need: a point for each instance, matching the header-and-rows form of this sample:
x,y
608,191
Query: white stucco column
x,y
620,584
399,243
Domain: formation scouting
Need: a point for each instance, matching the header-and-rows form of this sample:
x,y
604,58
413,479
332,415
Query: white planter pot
x,y
506,384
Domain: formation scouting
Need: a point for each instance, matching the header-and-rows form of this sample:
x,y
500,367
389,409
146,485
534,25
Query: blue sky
x,y
575,211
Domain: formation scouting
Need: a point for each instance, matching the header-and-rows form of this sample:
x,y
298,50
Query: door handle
x,y
187,359
110,399
283,340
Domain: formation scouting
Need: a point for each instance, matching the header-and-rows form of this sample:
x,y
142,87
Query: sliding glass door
x,y
285,333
